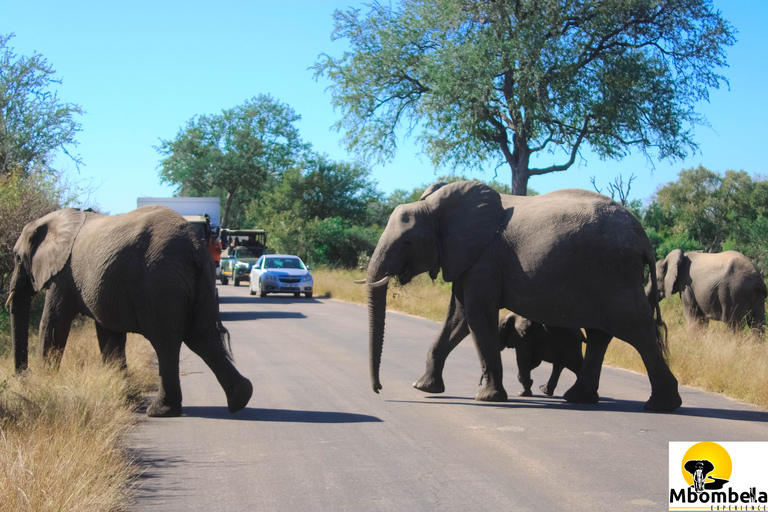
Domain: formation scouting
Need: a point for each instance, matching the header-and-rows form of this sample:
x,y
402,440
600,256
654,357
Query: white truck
x,y
202,212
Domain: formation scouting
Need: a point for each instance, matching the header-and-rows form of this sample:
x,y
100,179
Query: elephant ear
x,y
673,260
46,244
522,326
469,217
431,190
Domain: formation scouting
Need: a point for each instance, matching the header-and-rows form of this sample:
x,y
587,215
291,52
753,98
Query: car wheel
x,y
253,292
237,282
297,295
263,294
308,295
224,279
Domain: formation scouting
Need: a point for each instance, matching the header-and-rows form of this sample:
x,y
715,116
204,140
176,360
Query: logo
x,y
719,476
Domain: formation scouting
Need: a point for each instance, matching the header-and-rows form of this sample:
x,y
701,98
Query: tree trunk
x,y
227,208
520,182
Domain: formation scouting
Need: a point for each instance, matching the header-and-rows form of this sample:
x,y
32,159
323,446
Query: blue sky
x,y
141,69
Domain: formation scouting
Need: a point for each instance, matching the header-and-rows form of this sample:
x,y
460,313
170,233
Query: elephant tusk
x,y
10,298
382,282
360,281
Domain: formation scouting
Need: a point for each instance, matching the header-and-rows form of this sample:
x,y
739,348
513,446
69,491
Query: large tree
x,y
233,152
34,123
496,82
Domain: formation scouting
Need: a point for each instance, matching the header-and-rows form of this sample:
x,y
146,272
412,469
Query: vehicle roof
x,y
281,256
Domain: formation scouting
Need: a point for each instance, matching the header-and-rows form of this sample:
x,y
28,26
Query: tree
x,y
503,81
320,212
34,123
233,152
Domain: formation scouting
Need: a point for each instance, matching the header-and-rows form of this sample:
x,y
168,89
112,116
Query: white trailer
x,y
188,206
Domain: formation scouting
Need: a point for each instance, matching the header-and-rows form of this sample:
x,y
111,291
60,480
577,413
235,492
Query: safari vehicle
x,y
242,248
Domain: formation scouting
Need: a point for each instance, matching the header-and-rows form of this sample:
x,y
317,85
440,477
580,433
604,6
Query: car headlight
x,y
242,265
306,278
268,277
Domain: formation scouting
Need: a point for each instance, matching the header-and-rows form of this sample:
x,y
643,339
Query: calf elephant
x,y
144,271
534,343
724,286
570,258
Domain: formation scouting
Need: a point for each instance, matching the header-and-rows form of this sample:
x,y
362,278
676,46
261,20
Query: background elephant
x,y
534,343
570,258
722,286
144,271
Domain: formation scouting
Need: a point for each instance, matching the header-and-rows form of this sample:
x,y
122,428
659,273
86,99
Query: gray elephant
x,y
722,286
534,343
570,258
144,271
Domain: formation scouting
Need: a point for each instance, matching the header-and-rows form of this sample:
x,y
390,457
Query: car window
x,y
279,263
259,262
244,252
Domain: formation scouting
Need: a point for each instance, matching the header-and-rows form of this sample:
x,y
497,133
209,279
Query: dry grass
x,y
716,360
62,432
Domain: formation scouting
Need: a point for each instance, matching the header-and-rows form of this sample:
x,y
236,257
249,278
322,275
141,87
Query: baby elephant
x,y
534,343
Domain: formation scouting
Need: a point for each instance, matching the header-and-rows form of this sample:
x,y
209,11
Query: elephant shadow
x,y
278,415
605,404
233,316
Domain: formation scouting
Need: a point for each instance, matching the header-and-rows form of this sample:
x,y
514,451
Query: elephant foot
x,y
158,409
491,394
545,389
578,396
430,384
238,398
668,402
525,392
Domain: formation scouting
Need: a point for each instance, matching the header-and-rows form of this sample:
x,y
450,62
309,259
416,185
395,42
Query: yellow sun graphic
x,y
712,452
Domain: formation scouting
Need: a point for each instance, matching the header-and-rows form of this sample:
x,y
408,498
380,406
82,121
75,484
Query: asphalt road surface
x,y
315,437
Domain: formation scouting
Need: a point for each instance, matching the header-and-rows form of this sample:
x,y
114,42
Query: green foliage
x,y
34,123
233,154
495,82
326,213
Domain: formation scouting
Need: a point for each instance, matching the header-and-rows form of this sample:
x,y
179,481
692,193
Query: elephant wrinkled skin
x,y
570,258
144,271
722,286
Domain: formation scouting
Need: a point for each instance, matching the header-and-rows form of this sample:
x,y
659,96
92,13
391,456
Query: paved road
x,y
316,438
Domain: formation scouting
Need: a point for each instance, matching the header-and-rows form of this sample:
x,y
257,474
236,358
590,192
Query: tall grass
x,y
62,432
714,359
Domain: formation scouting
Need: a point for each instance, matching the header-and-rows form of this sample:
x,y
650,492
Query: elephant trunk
x,y
21,301
377,310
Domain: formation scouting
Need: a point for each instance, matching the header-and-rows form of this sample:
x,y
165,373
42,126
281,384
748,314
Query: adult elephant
x,y
534,343
723,286
570,258
144,271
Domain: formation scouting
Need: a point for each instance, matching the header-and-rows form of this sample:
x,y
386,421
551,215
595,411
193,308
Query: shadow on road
x,y
276,299
278,415
606,404
233,316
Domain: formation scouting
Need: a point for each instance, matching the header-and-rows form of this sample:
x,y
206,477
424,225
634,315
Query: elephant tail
x,y
653,300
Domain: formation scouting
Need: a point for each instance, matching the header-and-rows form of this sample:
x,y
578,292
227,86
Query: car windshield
x,y
244,252
283,263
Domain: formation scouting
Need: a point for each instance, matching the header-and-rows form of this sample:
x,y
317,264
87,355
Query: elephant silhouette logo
x,y
707,466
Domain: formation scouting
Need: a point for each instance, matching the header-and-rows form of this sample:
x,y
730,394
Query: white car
x,y
280,273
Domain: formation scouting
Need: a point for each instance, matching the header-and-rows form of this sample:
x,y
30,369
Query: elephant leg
x,y
455,329
549,388
58,314
664,392
526,361
167,403
483,321
588,379
112,345
237,388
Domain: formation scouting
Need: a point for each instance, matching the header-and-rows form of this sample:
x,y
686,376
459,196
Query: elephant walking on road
x,y
570,258
144,271
534,343
722,286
